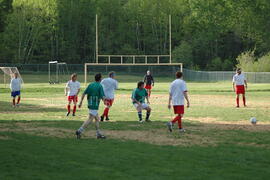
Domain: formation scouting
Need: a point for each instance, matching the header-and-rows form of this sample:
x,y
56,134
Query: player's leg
x,y
98,132
108,104
84,125
244,99
148,112
75,100
179,111
19,97
68,105
237,100
139,110
13,96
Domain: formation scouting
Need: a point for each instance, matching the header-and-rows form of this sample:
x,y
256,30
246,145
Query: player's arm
x,y
11,85
170,101
186,97
80,104
144,79
153,82
233,84
79,89
245,81
66,88
133,98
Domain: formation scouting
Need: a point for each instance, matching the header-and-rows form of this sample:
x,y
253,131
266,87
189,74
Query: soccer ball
x,y
253,120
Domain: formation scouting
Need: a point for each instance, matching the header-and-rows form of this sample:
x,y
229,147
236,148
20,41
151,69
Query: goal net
x,y
8,74
132,73
58,72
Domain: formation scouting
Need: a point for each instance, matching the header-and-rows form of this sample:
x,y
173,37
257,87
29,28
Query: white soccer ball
x,y
253,120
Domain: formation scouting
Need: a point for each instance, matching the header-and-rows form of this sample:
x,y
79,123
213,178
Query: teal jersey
x,y
139,95
94,93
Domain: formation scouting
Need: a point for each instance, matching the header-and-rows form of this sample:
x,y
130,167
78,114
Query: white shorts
x,y
143,105
93,112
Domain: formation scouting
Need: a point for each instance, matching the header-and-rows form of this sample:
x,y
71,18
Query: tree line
x,y
206,34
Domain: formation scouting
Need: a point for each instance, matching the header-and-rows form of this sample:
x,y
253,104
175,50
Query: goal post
x,y
8,72
56,70
86,65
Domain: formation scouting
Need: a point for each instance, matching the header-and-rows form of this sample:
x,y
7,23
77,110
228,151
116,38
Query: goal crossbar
x,y
128,64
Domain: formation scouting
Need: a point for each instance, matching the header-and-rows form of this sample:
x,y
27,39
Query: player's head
x,y
140,85
98,77
15,75
178,74
112,74
148,72
73,77
238,70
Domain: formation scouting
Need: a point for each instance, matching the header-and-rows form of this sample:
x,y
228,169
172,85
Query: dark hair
x,y
238,69
178,74
98,77
111,74
140,83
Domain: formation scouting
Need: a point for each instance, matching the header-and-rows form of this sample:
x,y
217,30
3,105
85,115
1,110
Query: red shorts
x,y
108,102
148,87
240,89
179,109
73,98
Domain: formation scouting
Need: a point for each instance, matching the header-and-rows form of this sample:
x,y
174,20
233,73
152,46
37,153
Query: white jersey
x,y
177,89
15,84
239,79
73,87
109,86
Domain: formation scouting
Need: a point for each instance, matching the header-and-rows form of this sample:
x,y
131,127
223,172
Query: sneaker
x,y
78,134
17,105
68,113
147,120
140,121
169,124
107,119
73,114
100,136
182,130
237,106
101,118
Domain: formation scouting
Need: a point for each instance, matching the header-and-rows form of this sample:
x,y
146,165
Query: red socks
x,y
74,109
179,119
106,112
18,101
68,108
237,102
13,102
244,101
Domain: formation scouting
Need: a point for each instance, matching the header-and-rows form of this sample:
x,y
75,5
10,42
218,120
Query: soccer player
x,y
109,85
239,86
138,98
72,90
178,92
149,82
15,87
94,93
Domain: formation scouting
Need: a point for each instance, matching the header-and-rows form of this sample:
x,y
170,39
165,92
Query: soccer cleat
x,y
68,113
169,124
101,118
17,105
100,136
237,106
107,119
147,120
78,134
73,114
140,121
182,130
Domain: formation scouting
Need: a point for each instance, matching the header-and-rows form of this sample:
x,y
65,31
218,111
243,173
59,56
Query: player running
x,y
94,93
72,90
239,86
178,92
149,82
138,99
15,87
109,85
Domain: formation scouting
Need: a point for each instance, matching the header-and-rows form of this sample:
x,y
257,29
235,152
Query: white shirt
x,y
15,84
177,89
109,86
239,79
73,87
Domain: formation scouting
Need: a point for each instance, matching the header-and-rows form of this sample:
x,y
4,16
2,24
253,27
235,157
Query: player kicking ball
x,y
239,86
94,93
149,82
72,90
177,96
109,85
138,99
15,87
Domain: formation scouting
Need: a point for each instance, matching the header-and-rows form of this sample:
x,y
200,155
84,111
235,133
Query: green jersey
x,y
94,93
139,95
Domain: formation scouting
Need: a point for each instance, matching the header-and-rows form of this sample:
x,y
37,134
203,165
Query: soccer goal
x,y
8,74
57,72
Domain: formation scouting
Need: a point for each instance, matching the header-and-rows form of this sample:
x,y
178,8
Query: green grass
x,y
37,141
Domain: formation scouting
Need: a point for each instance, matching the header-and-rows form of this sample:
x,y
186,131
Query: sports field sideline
x,y
37,140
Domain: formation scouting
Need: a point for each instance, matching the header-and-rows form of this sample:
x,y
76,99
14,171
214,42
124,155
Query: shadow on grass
x,y
6,107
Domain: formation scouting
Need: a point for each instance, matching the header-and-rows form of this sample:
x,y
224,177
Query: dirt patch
x,y
4,137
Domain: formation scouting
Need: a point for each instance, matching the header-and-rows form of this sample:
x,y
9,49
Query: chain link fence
x,y
166,71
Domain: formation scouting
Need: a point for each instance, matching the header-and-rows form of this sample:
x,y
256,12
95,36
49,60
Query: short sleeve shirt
x,y
94,93
177,89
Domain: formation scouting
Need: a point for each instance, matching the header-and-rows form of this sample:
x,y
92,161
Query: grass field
x,y
37,140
